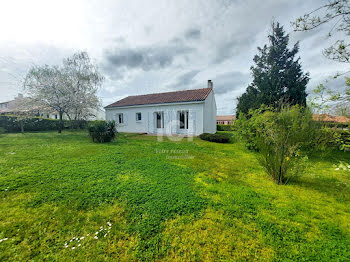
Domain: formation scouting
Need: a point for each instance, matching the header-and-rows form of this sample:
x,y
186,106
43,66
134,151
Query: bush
x,y
283,138
224,128
102,131
217,138
340,139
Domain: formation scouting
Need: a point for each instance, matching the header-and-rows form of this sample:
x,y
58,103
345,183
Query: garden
x,y
135,198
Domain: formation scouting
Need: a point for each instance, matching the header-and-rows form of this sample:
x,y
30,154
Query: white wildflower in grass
x,y
337,169
73,247
71,240
96,233
79,245
81,238
95,237
87,235
105,235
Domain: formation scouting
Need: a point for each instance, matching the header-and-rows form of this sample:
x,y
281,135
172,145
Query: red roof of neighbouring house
x,y
226,118
330,118
161,98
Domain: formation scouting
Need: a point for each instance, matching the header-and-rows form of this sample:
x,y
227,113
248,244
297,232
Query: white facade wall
x,y
209,124
148,121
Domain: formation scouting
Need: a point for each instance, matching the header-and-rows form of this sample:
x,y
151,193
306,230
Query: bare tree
x,y
338,13
70,89
82,78
45,86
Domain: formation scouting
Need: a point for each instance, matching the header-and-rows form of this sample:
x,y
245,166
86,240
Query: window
x,y
160,119
120,118
48,116
138,117
183,117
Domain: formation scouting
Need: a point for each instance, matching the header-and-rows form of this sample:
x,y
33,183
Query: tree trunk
x,y
22,126
60,122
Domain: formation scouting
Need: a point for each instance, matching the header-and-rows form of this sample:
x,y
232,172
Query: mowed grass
x,y
185,200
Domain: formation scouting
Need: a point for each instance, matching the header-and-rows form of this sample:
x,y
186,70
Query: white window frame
x,y
161,119
186,119
137,114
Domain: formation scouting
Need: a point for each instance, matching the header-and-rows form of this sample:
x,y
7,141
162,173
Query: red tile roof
x,y
330,118
161,98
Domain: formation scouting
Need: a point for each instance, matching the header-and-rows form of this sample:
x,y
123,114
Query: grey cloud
x,y
185,79
230,82
193,34
146,58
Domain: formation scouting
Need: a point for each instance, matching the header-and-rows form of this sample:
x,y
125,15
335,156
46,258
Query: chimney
x,y
210,84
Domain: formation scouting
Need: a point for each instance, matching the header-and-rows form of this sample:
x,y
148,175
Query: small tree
x,y
280,136
46,88
83,80
70,89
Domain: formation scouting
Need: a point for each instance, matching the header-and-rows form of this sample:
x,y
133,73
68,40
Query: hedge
x,y
12,124
217,138
224,128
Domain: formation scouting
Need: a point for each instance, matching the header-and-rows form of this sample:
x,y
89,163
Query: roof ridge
x,y
178,91
187,95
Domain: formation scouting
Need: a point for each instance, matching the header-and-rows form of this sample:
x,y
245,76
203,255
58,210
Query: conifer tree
x,y
277,75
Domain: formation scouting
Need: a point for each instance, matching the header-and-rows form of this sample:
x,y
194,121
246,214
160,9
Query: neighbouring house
x,y
187,112
331,119
20,105
225,120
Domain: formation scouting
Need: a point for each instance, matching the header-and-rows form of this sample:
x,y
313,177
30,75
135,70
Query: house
x,y
225,120
21,105
187,112
12,105
331,119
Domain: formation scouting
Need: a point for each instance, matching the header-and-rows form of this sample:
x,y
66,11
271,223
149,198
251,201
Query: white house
x,y
187,112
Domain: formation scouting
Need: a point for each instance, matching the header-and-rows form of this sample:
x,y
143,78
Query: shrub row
x,y
224,128
12,123
217,138
335,125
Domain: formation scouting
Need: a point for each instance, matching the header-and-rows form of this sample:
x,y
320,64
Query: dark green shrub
x,y
102,131
217,138
14,123
224,128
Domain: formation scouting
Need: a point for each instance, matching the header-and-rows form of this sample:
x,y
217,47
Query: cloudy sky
x,y
154,46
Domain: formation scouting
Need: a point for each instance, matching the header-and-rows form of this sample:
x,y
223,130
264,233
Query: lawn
x,y
63,197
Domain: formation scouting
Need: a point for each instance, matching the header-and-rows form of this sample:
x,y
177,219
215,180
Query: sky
x,y
155,46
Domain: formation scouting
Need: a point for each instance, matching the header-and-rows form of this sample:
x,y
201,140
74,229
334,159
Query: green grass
x,y
186,200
